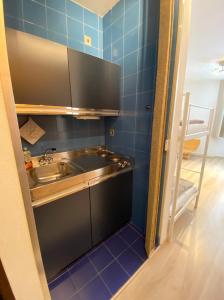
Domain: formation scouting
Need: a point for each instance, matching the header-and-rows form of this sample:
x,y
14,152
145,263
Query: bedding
x,y
186,190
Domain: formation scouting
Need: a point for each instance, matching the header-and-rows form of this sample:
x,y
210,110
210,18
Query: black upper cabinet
x,y
95,83
39,70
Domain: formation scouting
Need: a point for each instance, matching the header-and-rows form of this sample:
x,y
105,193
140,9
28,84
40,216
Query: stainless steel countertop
x,y
92,165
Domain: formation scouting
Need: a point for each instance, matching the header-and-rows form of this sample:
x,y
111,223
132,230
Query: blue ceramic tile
x,y
34,13
101,257
128,104
100,46
82,272
145,99
142,141
61,288
131,64
147,57
75,30
96,289
58,38
117,10
117,50
128,123
146,80
129,234
74,44
139,248
91,51
131,19
107,38
56,22
40,1
89,31
114,277
56,4
107,54
116,245
13,8
107,20
143,123
130,84
117,30
131,42
130,3
74,10
90,19
13,23
100,23
130,261
34,29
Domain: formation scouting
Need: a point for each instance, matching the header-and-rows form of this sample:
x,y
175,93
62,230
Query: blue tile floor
x,y
101,272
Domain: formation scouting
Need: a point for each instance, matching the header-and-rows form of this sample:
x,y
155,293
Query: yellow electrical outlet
x,y
87,40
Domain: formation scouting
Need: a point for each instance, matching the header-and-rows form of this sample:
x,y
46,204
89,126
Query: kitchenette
x,y
85,124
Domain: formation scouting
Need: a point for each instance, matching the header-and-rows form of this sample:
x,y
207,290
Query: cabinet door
x,y
95,83
64,231
111,203
39,70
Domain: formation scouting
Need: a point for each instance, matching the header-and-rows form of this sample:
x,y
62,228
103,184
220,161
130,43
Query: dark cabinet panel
x,y
111,203
95,83
39,70
64,231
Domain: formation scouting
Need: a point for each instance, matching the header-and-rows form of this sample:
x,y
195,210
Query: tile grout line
x,y
99,274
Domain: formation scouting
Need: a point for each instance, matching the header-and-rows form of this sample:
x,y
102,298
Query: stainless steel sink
x,y
73,170
52,172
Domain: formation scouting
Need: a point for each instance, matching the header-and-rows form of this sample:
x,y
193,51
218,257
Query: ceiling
x,y
100,7
206,39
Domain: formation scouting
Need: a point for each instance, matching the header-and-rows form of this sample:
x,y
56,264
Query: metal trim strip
x,y
61,110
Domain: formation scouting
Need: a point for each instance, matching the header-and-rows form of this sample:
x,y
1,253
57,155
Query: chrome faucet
x,y
47,157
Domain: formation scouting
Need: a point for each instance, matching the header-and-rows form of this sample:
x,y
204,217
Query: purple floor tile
x,y
139,247
62,287
138,229
101,257
82,272
129,261
129,234
114,277
94,290
116,245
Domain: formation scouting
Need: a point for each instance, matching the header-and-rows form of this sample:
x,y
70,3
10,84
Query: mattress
x,y
186,190
195,126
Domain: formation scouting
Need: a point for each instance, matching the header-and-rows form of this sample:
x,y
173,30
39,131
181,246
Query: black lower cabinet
x,y
111,206
64,231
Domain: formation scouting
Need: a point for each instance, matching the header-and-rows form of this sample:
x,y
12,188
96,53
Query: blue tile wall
x,y
130,36
126,35
65,133
62,21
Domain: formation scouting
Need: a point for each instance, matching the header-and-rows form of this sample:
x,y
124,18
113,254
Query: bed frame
x,y
185,135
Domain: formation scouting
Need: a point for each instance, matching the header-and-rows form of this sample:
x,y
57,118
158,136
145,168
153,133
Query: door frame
x,y
19,246
160,117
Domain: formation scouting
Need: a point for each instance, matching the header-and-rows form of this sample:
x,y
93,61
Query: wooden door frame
x,y
160,113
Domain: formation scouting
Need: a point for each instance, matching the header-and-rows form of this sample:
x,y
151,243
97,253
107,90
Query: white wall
x,y
205,93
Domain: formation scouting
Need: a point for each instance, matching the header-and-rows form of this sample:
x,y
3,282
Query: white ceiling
x,y
206,40
100,7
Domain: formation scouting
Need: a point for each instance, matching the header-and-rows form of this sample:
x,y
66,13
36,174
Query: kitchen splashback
x,y
65,133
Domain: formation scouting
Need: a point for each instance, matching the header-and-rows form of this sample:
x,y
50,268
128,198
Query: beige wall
x,y
18,251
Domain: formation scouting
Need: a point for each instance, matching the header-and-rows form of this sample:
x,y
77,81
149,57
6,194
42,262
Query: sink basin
x,y
53,171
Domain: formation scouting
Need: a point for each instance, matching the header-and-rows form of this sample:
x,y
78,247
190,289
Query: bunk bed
x,y
185,191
